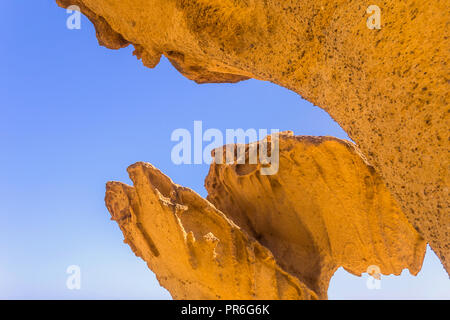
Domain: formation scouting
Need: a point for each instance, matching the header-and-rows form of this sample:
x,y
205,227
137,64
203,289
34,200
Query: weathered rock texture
x,y
387,88
325,208
194,249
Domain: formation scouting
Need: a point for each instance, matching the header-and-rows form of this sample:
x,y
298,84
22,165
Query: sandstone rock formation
x,y
275,236
325,208
194,249
387,88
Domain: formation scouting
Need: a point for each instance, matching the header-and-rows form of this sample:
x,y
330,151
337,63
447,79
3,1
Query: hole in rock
x,y
86,114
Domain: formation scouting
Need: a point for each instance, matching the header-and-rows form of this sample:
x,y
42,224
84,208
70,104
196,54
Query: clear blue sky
x,y
74,115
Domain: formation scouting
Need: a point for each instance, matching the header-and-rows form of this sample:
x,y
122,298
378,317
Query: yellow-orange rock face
x,y
325,208
276,236
387,88
194,249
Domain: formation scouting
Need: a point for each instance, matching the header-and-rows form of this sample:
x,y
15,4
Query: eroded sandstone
x,y
387,88
325,208
194,249
276,236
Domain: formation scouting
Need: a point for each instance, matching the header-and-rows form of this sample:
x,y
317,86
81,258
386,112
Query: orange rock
x,y
276,236
325,208
194,249
387,88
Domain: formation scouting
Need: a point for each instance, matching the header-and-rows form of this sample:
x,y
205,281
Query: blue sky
x,y
74,115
